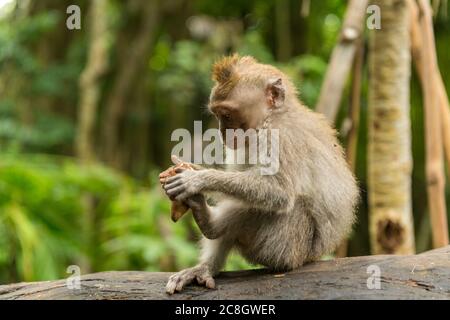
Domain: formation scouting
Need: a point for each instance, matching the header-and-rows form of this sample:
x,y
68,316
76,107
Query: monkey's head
x,y
246,92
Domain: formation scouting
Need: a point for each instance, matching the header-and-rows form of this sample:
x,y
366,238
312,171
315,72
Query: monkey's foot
x,y
200,273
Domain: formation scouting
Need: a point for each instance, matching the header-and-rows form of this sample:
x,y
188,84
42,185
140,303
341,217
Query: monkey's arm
x,y
264,192
259,191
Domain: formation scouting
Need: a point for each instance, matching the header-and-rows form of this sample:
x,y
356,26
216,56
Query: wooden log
x,y
422,276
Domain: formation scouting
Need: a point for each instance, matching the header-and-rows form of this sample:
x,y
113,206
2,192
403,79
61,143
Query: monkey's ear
x,y
275,92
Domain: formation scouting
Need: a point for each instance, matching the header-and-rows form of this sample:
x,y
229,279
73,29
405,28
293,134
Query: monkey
x,y
281,220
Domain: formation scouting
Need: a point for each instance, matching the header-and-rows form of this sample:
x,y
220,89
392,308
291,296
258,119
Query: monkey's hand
x,y
184,184
201,274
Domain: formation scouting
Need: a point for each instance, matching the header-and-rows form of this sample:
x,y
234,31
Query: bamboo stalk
x,y
433,129
341,60
355,106
445,111
417,54
353,117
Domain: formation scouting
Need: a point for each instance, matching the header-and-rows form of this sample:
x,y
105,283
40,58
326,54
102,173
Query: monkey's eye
x,y
227,116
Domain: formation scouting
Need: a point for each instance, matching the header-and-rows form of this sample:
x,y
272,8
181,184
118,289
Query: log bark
x,y
423,276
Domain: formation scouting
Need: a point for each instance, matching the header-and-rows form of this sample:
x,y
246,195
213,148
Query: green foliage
x,y
253,45
307,71
43,221
31,77
185,67
47,131
42,212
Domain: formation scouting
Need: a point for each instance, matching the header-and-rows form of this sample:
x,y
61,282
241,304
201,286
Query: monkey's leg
x,y
203,216
214,253
213,221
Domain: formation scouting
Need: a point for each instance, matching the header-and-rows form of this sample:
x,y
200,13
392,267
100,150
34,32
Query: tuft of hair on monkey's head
x,y
224,70
228,71
226,75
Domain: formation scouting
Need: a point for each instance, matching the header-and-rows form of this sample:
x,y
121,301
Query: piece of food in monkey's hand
x,y
178,209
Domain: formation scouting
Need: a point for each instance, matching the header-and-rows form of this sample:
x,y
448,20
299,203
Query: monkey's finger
x,y
206,280
175,191
210,283
172,198
170,287
180,170
171,185
162,180
200,280
166,173
172,179
183,281
175,159
163,175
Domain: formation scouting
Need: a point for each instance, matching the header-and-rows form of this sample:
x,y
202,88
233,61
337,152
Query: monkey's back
x,y
314,172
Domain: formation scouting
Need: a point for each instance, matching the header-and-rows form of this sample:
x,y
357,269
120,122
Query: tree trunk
x,y
96,66
131,61
389,129
89,80
283,32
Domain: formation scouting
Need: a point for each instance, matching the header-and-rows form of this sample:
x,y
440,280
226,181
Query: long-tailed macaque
x,y
279,220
